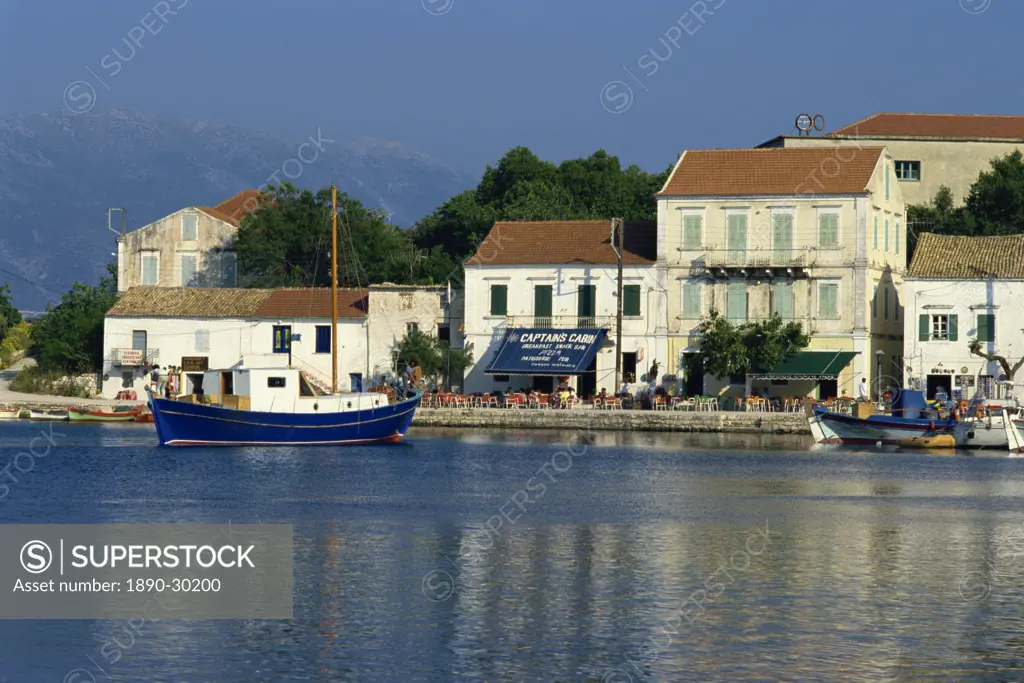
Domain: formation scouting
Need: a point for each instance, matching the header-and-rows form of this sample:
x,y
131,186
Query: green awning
x,y
808,365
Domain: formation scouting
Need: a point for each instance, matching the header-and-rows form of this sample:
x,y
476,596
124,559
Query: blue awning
x,y
546,352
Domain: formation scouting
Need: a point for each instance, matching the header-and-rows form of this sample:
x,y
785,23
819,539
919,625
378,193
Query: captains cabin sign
x,y
546,352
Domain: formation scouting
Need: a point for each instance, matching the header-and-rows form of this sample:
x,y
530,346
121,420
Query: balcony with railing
x,y
133,357
560,322
735,261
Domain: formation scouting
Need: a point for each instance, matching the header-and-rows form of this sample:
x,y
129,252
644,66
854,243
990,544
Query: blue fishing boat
x,y
279,407
910,422
275,406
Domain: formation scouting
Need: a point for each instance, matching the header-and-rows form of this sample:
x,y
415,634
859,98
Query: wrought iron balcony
x,y
562,321
133,357
757,258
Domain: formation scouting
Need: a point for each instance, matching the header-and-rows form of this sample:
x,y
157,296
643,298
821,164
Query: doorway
x,y
828,388
195,380
628,368
936,382
694,371
227,384
356,382
587,383
544,384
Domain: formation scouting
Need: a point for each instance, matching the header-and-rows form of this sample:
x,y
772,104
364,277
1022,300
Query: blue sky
x,y
464,80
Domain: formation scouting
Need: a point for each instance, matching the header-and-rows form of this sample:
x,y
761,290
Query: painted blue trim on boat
x,y
194,424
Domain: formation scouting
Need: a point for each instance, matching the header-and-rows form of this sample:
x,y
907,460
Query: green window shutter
x,y
586,298
897,236
885,310
631,300
952,328
887,235
924,332
691,301
828,230
782,301
874,304
886,181
691,232
986,328
736,237
782,231
876,232
542,301
736,303
499,300
828,300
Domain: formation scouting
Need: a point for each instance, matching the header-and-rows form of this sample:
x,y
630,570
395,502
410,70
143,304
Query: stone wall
x,y
617,420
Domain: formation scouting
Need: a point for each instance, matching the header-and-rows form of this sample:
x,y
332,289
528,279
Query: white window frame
x,y
699,212
829,211
181,256
899,169
142,266
189,214
839,299
939,321
203,334
220,268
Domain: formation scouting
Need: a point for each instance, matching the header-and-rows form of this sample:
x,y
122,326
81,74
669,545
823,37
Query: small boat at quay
x,y
9,413
117,415
912,423
52,416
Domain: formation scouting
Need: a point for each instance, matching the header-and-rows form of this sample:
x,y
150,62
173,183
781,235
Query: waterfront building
x,y
197,329
562,276
816,235
193,247
928,150
960,289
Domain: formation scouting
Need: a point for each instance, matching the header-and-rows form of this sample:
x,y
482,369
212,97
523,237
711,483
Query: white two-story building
x,y
563,276
961,289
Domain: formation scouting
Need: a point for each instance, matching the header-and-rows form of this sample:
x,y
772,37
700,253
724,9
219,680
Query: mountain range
x,y
60,173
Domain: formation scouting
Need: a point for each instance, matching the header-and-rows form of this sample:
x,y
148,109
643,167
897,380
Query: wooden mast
x,y
334,290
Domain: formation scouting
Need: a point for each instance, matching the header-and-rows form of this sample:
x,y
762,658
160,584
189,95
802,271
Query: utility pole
x,y
618,233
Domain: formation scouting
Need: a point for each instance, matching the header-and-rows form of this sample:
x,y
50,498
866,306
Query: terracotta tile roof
x,y
313,303
235,209
565,242
784,171
969,126
188,302
242,204
196,302
960,257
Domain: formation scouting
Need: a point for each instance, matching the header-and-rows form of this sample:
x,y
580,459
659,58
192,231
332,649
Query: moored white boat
x,y
9,413
47,415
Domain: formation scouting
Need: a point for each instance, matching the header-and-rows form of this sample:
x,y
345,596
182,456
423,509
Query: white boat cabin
x,y
279,390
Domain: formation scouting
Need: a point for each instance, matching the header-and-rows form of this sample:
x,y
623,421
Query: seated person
x,y
602,397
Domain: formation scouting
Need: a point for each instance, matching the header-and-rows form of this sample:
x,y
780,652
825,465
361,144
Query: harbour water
x,y
643,557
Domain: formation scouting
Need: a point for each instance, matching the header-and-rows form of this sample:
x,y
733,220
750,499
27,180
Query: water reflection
x,y
675,557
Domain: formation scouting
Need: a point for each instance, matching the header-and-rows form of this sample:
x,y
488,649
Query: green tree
x,y
721,348
728,350
69,336
9,315
287,242
435,356
995,203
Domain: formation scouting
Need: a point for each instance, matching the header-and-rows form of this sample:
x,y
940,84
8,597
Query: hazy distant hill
x,y
60,173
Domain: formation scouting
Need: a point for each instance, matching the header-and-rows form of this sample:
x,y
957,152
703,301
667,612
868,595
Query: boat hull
x,y
100,416
192,424
47,417
10,414
975,433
